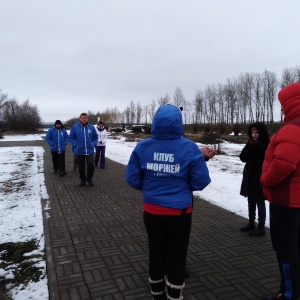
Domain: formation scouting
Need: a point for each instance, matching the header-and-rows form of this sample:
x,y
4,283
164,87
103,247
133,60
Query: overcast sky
x,y
70,56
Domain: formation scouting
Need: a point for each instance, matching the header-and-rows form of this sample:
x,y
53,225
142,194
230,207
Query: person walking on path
x,y
100,148
253,155
58,138
83,137
167,168
281,185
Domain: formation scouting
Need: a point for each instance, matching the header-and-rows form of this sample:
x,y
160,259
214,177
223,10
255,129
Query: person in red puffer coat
x,y
281,185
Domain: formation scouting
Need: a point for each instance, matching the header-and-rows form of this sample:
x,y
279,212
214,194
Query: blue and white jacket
x,y
167,167
83,139
58,139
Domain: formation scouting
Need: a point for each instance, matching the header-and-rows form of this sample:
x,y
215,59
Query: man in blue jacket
x,y
167,168
57,137
84,138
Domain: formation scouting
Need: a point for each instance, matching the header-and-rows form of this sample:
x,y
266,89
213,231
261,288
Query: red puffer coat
x,y
281,168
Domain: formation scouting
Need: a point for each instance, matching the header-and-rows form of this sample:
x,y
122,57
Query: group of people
x,y
167,168
86,139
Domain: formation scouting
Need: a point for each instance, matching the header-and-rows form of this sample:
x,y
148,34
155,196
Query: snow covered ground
x,y
22,185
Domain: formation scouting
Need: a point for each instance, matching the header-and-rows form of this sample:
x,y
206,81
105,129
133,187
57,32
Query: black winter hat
x,y
100,122
58,122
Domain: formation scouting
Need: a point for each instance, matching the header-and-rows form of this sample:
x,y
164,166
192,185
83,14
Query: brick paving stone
x,y
96,244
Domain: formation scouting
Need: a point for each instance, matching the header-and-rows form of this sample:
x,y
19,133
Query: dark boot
x,y
249,227
158,289
259,231
175,291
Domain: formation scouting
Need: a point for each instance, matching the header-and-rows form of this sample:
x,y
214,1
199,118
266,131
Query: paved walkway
x,y
96,245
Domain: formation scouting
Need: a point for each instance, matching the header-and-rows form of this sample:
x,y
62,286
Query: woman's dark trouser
x,y
100,150
58,160
285,235
168,233
89,161
261,208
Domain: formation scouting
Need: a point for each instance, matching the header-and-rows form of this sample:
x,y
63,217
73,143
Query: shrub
x,y
236,128
147,129
117,130
207,128
221,128
136,129
209,138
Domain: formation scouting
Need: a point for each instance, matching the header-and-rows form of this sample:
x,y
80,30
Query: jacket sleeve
x,y
133,171
282,158
198,171
105,136
67,139
49,137
72,137
244,155
95,136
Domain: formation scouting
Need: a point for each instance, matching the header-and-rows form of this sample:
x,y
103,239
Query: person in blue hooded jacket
x,y
57,137
84,138
167,168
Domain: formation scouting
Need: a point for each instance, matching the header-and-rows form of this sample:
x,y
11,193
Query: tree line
x,y
18,116
248,98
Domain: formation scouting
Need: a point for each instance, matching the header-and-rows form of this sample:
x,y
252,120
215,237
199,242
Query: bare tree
x,y
231,99
139,113
270,91
210,101
20,116
132,111
199,107
3,98
187,112
29,116
258,98
151,110
127,114
297,74
221,104
178,97
110,115
164,100
10,113
288,77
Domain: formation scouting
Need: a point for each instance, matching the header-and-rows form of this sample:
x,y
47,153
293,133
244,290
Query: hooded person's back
x,y
167,167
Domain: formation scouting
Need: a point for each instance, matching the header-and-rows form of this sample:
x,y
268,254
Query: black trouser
x,y
58,160
100,151
168,235
285,234
261,208
89,161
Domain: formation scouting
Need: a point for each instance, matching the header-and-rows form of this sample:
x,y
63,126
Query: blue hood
x,y
167,123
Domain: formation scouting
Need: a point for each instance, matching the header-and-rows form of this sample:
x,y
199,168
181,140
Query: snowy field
x,y
22,185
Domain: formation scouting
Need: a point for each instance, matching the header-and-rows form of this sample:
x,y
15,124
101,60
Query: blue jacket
x,y
83,139
167,167
58,139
